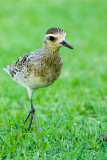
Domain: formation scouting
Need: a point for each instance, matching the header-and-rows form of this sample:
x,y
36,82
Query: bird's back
x,y
36,69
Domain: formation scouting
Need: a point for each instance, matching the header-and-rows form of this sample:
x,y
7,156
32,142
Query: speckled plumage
x,y
41,67
40,64
54,30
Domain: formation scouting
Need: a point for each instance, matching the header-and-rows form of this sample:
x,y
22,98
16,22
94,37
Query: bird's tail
x,y
7,69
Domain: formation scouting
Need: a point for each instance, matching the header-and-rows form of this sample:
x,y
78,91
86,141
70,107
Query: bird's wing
x,y
23,63
18,65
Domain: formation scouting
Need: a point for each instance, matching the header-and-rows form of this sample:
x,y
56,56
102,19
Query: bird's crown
x,y
54,30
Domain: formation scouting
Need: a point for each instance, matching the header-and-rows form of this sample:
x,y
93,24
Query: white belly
x,y
32,82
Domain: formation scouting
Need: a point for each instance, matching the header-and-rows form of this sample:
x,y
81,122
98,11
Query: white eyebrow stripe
x,y
55,35
47,35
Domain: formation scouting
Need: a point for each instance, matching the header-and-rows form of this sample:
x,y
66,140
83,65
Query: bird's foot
x,y
32,113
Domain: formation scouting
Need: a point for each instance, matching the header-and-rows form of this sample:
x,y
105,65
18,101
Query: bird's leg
x,y
32,112
33,115
28,116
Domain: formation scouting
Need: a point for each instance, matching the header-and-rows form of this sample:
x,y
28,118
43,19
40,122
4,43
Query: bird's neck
x,y
51,49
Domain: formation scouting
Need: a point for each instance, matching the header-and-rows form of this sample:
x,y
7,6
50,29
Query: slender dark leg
x,y
32,113
28,116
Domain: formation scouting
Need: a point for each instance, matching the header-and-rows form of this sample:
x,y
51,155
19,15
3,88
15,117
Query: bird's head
x,y
55,38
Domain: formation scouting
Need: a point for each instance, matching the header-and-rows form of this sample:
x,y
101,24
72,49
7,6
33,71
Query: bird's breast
x,y
49,69
54,68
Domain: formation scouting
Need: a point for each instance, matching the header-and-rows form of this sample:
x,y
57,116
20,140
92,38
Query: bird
x,y
39,68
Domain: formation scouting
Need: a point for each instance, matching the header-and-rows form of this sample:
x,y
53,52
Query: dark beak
x,y
66,44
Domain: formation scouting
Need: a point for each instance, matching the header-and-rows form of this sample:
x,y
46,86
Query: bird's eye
x,y
51,38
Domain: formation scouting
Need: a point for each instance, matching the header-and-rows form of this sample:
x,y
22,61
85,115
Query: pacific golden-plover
x,y
41,67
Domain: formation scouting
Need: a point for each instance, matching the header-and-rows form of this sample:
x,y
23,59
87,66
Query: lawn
x,y
71,113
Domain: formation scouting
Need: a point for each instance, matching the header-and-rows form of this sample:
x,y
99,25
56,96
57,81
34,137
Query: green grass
x,y
71,113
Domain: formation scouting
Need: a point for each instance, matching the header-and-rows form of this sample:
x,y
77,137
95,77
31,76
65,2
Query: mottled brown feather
x,y
47,66
54,30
